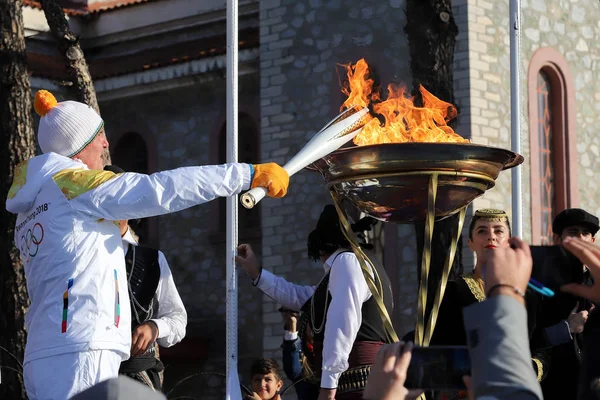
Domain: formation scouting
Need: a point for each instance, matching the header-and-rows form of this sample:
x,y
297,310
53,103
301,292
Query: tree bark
x,y
431,32
17,144
68,44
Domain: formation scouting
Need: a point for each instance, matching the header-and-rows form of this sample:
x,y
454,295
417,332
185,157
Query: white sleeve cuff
x,y
329,380
287,335
163,328
265,280
247,176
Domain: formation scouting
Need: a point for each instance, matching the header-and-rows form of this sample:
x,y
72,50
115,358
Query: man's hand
x,y
273,177
386,380
508,266
143,337
327,394
588,254
577,321
247,259
291,322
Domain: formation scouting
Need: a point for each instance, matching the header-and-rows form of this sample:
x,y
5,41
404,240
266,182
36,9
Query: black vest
x,y
143,275
372,328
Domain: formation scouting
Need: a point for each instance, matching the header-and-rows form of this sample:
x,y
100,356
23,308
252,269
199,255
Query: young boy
x,y
266,379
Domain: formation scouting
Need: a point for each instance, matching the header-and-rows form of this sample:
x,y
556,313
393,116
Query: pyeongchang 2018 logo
x,y
31,240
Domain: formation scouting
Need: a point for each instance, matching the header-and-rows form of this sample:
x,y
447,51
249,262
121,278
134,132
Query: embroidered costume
x,y
469,289
153,297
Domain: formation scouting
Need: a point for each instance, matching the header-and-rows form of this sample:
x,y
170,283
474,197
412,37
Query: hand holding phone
x,y
438,368
386,380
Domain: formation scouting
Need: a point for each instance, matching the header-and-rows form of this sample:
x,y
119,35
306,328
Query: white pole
x,y
515,114
232,202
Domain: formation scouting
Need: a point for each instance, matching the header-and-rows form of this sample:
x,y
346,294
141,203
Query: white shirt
x,y
348,291
171,318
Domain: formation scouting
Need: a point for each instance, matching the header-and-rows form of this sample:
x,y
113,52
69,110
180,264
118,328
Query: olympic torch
x,y
334,135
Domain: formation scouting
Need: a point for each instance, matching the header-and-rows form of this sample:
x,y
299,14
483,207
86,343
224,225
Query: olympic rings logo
x,y
31,240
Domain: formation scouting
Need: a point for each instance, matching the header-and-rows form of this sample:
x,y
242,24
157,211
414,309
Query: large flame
x,y
398,119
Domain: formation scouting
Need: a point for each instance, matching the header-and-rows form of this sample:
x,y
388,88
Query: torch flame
x,y
397,119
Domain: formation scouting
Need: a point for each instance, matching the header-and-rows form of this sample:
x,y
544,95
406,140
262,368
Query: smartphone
x,y
553,266
438,368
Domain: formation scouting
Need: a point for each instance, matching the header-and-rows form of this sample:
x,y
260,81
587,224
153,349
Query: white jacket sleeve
x,y
283,292
171,318
130,195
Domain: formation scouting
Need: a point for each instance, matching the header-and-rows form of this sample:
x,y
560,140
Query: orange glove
x,y
272,177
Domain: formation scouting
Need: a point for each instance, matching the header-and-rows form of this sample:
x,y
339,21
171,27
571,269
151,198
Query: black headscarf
x,y
328,237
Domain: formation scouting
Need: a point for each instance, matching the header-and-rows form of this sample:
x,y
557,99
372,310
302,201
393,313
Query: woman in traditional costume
x,y
489,229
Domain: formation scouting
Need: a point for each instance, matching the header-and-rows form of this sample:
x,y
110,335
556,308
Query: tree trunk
x,y
68,44
82,85
17,144
431,32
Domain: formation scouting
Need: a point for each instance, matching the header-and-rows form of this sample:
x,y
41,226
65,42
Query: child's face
x,y
266,386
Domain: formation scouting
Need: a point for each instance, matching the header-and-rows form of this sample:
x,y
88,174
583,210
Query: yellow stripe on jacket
x,y
20,177
75,182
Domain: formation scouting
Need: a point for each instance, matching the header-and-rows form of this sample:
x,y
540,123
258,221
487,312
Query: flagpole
x,y
515,114
232,202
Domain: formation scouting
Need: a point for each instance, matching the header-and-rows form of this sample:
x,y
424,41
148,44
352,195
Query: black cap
x,y
575,216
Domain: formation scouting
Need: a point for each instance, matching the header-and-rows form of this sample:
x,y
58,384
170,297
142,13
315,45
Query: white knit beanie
x,y
65,128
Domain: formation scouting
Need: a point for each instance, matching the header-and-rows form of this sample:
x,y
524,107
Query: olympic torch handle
x,y
253,196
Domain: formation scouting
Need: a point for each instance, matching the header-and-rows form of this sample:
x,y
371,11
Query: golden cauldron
x,y
409,183
391,182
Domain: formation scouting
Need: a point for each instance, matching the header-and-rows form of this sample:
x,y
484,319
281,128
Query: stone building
x,y
159,68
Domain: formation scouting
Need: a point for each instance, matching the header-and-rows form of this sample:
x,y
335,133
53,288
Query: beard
x,y
106,158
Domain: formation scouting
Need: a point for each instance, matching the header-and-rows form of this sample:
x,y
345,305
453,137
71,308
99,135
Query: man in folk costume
x,y
66,206
344,320
489,229
565,315
157,312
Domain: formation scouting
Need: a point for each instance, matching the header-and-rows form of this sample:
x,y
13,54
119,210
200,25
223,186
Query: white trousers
x,y
63,376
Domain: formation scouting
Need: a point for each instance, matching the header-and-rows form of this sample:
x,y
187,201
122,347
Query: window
x,y
546,167
552,138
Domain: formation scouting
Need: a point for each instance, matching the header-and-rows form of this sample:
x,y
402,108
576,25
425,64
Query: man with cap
x,y
79,322
565,337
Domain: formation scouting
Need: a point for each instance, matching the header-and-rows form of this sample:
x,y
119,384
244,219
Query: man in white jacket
x,y
79,322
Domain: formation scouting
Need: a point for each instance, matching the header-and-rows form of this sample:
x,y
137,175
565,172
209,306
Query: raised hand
x,y
248,260
509,267
388,374
588,254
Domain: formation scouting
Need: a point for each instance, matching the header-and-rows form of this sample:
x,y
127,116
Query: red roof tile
x,y
77,9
